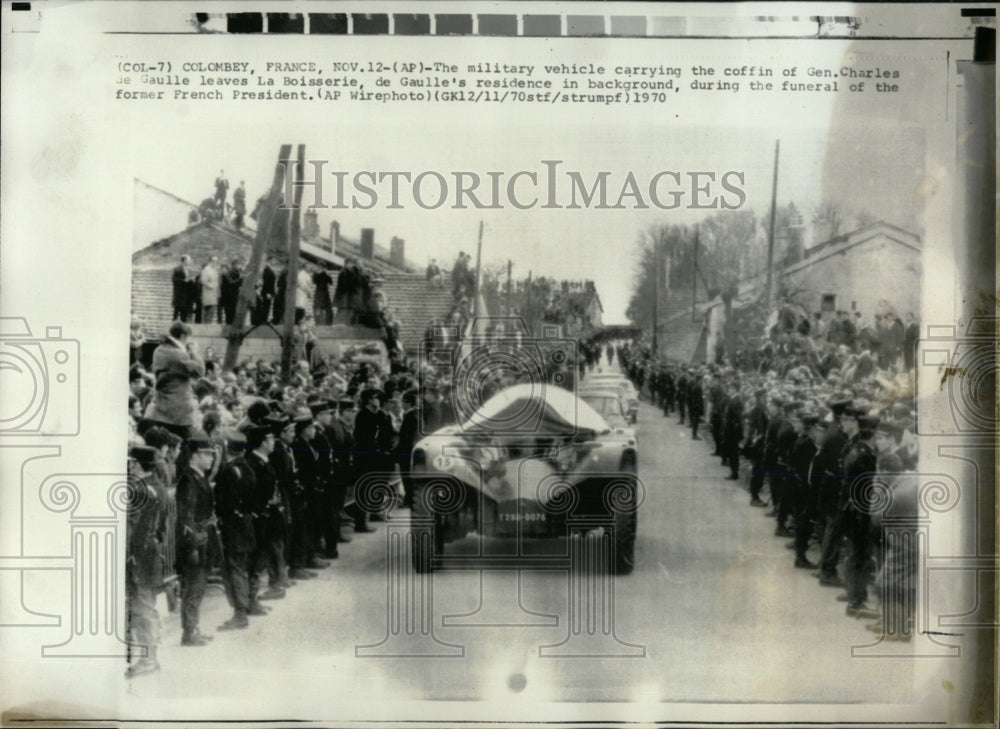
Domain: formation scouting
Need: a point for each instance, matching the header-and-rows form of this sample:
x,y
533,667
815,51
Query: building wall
x,y
865,274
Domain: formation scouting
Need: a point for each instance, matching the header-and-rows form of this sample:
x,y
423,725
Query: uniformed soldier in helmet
x,y
144,561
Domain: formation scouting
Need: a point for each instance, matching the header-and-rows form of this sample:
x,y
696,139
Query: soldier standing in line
x,y
803,492
195,530
260,442
682,395
287,527
668,391
342,440
827,475
732,431
781,477
695,404
717,402
311,472
144,563
322,509
757,422
859,467
234,490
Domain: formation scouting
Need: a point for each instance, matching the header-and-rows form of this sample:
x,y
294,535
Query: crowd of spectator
x,y
826,437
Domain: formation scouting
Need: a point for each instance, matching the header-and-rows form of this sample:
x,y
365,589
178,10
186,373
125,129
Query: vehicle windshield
x,y
603,404
536,408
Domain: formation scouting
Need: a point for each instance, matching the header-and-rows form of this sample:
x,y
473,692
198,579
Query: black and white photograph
x,y
498,363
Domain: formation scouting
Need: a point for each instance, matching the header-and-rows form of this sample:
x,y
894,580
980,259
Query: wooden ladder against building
x,y
264,220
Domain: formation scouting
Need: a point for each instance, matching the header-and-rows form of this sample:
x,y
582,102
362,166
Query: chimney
x,y
367,243
334,235
310,225
397,252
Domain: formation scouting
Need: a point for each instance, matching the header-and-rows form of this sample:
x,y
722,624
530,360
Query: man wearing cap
x,y
769,459
668,388
302,552
260,442
898,577
367,456
717,402
342,443
757,422
409,431
234,491
695,404
286,517
827,478
324,522
732,431
859,468
803,497
785,438
146,526
195,529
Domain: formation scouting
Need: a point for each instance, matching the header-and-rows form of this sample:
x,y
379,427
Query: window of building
x,y
829,302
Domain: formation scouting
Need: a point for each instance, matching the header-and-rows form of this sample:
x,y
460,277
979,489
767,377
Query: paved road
x,y
713,612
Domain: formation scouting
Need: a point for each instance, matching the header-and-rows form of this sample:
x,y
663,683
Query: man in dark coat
x,y
827,478
288,528
144,556
367,453
757,422
341,437
695,404
682,396
781,480
325,524
801,491
732,431
409,432
668,385
268,286
239,205
266,501
229,289
322,304
310,476
278,307
195,532
859,467
717,401
234,490
181,278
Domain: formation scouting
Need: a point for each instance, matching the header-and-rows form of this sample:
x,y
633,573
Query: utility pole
x,y
292,270
264,219
479,258
694,275
656,296
770,234
510,288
